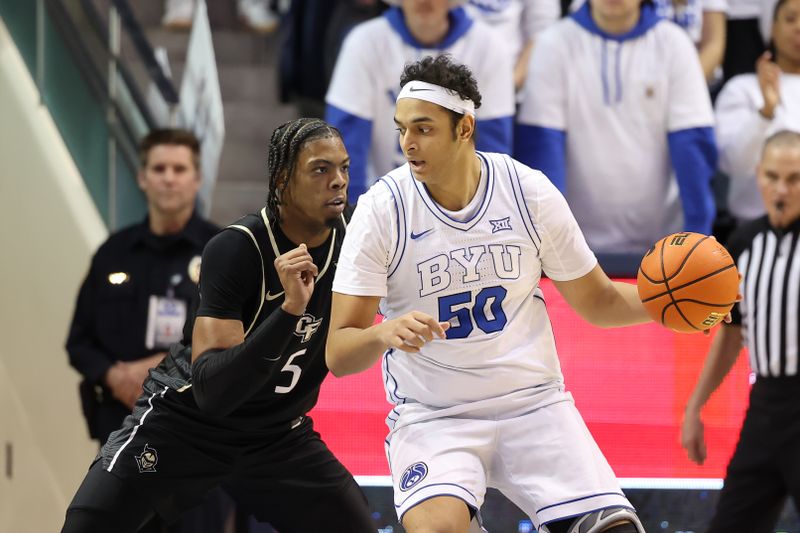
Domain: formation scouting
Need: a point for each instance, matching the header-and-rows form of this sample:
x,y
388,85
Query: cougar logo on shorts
x,y
147,459
413,475
307,326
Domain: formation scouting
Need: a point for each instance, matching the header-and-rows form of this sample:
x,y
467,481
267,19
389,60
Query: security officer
x,y
135,299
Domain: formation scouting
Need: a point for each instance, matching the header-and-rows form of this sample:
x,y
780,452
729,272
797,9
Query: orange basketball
x,y
688,282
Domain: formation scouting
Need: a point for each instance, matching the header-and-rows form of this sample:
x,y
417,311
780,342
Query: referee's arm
x,y
722,355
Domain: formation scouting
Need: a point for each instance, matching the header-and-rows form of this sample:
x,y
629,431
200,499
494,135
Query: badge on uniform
x,y
118,278
193,270
413,475
165,319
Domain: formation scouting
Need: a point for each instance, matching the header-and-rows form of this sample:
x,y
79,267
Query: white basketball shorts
x,y
545,461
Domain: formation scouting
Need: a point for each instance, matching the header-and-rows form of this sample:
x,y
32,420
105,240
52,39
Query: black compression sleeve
x,y
224,379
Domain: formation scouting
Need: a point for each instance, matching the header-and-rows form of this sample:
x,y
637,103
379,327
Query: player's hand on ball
x,y
692,437
296,270
411,331
728,318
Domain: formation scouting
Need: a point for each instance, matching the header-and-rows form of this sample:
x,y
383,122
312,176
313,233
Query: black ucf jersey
x,y
239,279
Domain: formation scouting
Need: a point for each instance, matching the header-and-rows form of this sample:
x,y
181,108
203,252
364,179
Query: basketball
x,y
688,282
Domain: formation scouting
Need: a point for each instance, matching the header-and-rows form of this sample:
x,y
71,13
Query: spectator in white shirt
x,y
751,107
518,21
615,104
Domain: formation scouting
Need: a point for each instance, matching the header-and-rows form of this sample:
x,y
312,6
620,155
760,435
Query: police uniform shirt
x,y
111,315
769,261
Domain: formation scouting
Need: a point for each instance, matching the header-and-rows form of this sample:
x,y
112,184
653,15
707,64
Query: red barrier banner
x,y
630,384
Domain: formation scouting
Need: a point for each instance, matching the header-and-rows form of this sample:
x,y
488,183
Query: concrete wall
x,y
49,228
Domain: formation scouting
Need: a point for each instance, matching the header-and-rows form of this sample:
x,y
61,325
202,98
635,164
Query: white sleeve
x,y
741,130
495,77
538,15
575,5
715,5
689,101
563,250
544,95
351,89
363,265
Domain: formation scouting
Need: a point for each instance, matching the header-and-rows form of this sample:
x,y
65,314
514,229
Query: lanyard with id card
x,y
166,316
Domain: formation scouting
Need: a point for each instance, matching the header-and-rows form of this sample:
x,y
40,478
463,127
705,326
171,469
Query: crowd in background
x,y
612,100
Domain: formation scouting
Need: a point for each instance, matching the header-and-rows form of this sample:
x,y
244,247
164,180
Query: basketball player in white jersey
x,y
451,247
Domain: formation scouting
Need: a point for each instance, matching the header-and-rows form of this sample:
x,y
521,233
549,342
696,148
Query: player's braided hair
x,y
284,146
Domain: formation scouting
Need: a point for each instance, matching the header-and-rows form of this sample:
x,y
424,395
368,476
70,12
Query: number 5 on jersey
x,y
294,370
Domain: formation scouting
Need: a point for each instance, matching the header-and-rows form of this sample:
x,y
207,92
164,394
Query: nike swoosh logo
x,y
414,89
415,236
271,297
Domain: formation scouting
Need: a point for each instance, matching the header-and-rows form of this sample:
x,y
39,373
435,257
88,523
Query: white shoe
x,y
178,14
257,16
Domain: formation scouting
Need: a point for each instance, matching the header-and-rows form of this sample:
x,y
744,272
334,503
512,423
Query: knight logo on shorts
x,y
146,461
306,327
413,475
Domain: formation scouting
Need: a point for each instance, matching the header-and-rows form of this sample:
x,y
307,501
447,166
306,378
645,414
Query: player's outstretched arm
x,y
355,342
721,356
603,302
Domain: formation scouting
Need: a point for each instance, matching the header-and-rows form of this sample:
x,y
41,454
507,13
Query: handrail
x,y
122,130
91,97
144,51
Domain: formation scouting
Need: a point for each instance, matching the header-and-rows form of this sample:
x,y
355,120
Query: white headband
x,y
438,95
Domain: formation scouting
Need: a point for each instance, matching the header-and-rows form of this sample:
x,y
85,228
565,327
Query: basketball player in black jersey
x,y
230,410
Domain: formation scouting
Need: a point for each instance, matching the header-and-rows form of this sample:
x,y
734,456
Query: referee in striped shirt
x,y
765,467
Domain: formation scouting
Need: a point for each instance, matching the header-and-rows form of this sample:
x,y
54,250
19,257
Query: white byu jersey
x,y
478,268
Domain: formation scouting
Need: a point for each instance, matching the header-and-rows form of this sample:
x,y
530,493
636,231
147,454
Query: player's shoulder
x,y
505,165
401,176
244,237
383,193
252,222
